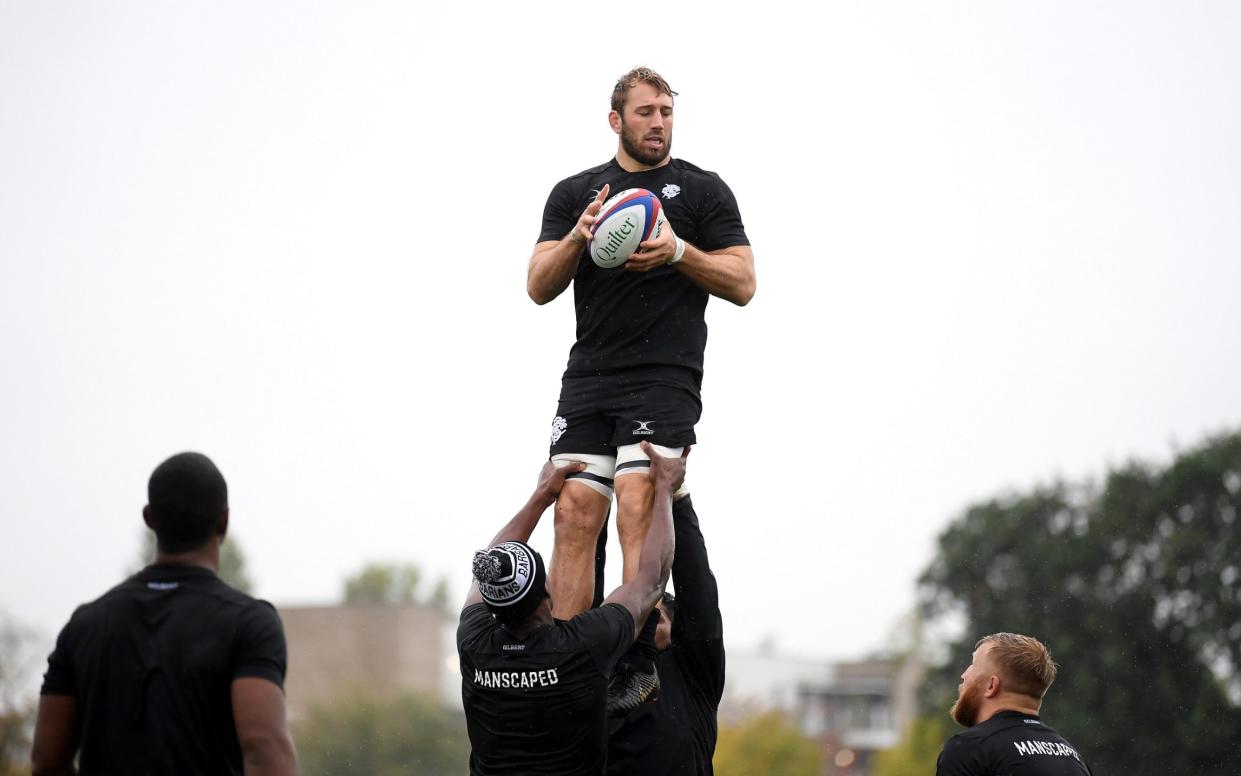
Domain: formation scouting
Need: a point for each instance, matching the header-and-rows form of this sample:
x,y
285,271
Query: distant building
x,y
762,680
382,650
854,708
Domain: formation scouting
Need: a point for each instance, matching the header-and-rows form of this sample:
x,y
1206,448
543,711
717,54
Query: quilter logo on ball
x,y
606,251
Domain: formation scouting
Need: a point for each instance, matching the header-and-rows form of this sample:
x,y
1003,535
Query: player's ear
x,y
614,119
146,516
993,686
221,526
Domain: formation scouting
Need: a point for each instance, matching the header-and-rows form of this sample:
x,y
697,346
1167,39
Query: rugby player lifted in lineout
x,y
534,688
635,371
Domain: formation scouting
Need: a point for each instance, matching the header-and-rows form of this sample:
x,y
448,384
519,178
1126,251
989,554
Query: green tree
x,y
232,561
918,749
361,734
392,584
766,743
17,706
1132,587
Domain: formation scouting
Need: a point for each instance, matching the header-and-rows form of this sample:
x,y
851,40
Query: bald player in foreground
x,y
999,700
534,687
172,671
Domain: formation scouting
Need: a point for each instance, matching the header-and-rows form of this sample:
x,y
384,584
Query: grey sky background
x,y
996,243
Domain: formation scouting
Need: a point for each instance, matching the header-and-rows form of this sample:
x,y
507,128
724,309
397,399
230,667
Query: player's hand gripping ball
x,y
625,222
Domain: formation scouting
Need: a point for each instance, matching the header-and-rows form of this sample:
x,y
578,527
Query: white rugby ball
x,y
625,221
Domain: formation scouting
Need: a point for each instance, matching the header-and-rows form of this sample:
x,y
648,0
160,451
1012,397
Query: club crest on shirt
x,y
670,191
559,425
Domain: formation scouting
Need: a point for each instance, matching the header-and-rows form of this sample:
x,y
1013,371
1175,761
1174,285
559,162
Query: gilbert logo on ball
x,y
625,221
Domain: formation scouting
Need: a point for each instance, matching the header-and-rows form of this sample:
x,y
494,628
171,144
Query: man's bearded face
x,y
969,702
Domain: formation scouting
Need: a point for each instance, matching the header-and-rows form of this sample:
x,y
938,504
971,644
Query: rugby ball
x,y
625,221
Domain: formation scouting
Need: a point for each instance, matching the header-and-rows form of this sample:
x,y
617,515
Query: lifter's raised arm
x,y
519,528
555,261
640,594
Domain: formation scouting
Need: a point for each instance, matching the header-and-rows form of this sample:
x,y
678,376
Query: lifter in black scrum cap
x,y
535,688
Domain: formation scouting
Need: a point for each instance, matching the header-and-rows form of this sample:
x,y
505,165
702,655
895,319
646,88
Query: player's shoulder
x,y
127,588
476,622
967,751
585,177
691,170
994,734
696,185
85,614
238,602
601,622
955,744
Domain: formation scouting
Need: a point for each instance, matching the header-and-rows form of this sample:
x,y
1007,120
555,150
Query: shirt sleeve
x,y
475,618
607,633
561,211
60,678
261,651
697,626
958,759
719,219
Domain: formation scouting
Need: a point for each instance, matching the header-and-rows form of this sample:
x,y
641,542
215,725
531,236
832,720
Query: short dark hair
x,y
1024,662
186,496
639,75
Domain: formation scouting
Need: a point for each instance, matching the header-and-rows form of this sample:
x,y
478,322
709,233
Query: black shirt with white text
x,y
538,705
1010,744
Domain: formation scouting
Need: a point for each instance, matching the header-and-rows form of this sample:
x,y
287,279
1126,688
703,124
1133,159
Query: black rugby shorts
x,y
599,413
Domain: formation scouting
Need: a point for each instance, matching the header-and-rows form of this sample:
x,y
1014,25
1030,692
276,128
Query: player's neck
x,y
1009,704
629,164
207,557
541,617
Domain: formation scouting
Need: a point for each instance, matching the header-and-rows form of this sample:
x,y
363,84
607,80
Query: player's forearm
x,y
551,269
55,736
273,756
522,524
658,548
698,597
43,765
728,273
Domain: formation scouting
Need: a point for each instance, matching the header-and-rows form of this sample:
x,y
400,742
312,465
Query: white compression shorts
x,y
598,474
602,470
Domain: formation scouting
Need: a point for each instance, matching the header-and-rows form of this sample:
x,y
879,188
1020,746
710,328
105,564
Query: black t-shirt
x,y
538,705
151,664
1010,744
677,733
627,319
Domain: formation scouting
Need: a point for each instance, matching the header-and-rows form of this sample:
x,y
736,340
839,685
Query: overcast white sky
x,y
995,242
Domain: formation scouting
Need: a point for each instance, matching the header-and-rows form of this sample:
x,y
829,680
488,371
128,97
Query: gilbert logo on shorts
x,y
644,428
